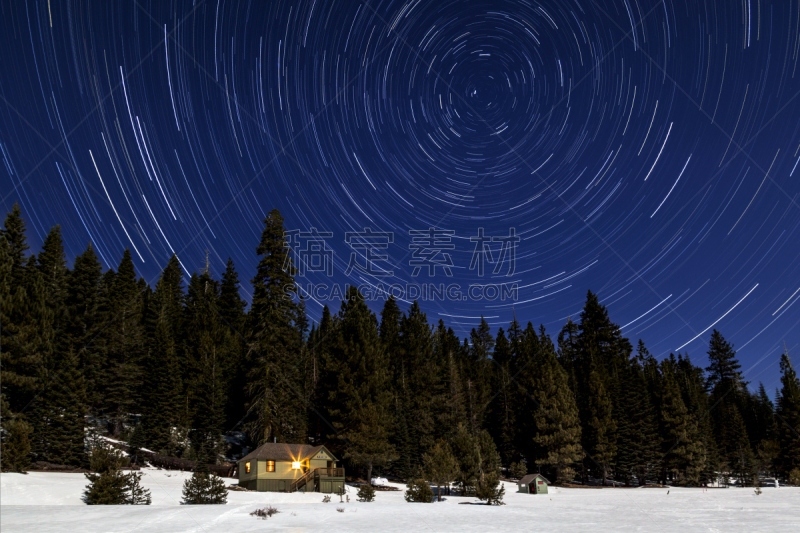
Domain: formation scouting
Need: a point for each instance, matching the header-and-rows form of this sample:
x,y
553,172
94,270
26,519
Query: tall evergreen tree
x,y
165,406
638,444
501,419
59,414
26,335
231,308
122,317
477,381
360,403
601,427
448,353
683,451
210,355
477,458
728,395
14,233
788,411
602,356
83,302
275,343
53,266
558,429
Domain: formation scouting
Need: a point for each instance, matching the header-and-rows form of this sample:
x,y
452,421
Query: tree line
x,y
175,367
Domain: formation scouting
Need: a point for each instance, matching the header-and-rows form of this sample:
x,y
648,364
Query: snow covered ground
x,y
45,502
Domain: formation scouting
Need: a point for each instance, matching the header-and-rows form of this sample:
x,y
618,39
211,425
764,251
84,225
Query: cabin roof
x,y
272,451
527,480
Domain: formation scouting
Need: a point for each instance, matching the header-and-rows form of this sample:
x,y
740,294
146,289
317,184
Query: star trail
x,y
644,149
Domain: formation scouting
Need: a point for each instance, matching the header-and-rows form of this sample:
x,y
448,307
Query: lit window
x,y
247,467
270,466
296,465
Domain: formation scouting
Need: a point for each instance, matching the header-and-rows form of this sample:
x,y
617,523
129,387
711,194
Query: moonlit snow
x,y
51,502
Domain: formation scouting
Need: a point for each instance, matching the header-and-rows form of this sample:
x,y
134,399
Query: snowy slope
x,y
45,502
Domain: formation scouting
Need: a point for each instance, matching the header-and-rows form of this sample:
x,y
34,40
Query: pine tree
x,y
723,367
108,485
164,408
14,233
448,353
728,394
788,412
231,305
601,426
568,352
558,429
637,445
490,490
323,376
274,345
683,451
204,488
502,424
53,266
135,493
59,414
478,374
477,457
231,308
761,425
26,338
210,356
27,333
440,466
122,316
738,455
15,439
360,404
600,358
417,386
83,301
400,434
106,488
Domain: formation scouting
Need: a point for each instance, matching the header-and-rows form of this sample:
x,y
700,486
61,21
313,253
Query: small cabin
x,y
276,467
533,484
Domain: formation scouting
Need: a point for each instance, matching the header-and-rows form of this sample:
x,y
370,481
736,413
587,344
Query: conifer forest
x,y
182,366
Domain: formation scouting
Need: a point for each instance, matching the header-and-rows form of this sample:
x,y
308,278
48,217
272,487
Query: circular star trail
x,y
644,149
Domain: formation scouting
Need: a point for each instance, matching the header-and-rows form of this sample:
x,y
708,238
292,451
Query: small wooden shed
x,y
533,484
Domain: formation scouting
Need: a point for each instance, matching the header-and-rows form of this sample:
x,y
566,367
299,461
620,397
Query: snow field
x,y
51,502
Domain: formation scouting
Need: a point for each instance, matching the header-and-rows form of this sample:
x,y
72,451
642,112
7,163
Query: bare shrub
x,y
265,512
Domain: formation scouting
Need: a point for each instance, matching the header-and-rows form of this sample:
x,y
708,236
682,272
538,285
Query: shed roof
x,y
527,480
272,451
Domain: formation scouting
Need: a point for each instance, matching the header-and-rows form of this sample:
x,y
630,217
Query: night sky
x,y
644,149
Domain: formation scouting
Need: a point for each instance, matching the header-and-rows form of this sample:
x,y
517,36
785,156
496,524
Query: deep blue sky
x,y
643,149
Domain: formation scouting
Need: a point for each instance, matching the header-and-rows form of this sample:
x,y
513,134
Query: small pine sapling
x,y
366,493
204,487
136,494
108,485
418,490
490,490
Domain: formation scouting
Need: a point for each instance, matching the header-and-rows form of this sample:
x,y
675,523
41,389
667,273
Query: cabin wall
x,y
283,470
